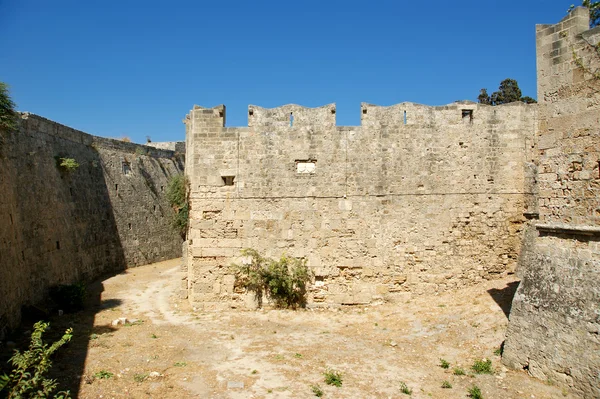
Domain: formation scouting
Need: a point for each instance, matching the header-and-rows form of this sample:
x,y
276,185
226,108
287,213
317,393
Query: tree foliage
x,y
8,115
508,92
26,380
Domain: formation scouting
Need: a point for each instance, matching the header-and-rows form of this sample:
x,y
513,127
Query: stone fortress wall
x,y
59,227
416,199
554,328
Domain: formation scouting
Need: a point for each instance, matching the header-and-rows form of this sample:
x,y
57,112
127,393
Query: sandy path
x,y
281,354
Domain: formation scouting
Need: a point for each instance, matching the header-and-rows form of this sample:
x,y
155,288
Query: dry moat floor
x,y
173,351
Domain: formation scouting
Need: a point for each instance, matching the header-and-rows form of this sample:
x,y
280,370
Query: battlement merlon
x,y
205,117
574,23
292,115
459,112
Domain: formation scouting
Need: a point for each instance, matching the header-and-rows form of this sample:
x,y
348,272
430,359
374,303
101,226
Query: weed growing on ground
x,y
140,377
180,364
500,350
103,375
154,336
475,392
405,389
446,385
458,371
483,366
298,355
444,364
333,377
316,389
254,371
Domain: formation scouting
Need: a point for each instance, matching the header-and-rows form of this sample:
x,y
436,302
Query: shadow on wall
x,y
58,228
504,297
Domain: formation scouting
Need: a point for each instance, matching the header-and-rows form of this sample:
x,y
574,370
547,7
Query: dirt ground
x,y
173,351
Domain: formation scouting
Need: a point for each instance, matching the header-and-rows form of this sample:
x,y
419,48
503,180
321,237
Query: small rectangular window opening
x,y
116,187
467,115
126,166
306,166
291,119
57,244
405,117
228,180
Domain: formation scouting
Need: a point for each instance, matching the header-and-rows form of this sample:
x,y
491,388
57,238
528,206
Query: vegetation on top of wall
x,y
27,380
8,116
508,92
177,195
283,281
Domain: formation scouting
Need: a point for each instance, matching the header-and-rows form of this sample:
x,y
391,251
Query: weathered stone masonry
x,y
554,328
59,227
416,199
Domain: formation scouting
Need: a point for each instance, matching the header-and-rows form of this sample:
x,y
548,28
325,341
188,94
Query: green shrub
x,y
103,375
475,392
177,195
69,298
446,385
333,377
458,371
68,164
27,380
316,389
283,281
405,389
444,364
482,366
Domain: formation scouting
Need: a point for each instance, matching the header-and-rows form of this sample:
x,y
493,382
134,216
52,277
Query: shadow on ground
x,y
504,296
69,360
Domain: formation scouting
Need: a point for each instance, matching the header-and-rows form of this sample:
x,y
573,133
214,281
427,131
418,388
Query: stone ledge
x,y
562,228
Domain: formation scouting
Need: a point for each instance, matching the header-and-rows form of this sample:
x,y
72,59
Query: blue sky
x,y
135,68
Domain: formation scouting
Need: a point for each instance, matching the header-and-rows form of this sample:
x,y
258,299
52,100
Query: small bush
x,y
444,364
177,195
446,385
333,377
475,392
70,298
140,377
317,391
482,366
405,389
458,371
284,281
27,380
68,164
